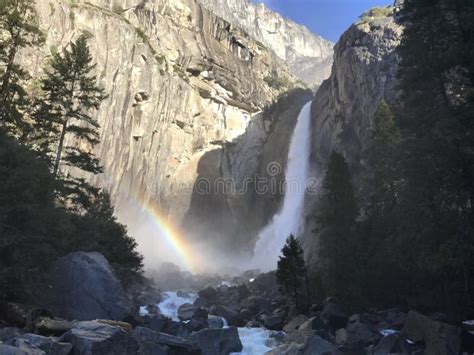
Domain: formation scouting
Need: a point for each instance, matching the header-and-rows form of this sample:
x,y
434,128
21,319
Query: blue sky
x,y
327,18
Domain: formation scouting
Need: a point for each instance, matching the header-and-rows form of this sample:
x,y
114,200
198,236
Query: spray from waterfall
x,y
290,219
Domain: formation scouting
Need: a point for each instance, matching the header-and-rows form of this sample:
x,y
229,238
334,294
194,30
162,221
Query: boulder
x,y
313,323
243,292
257,304
360,334
215,322
155,323
209,294
187,312
274,322
85,287
392,344
333,317
440,338
295,323
218,341
93,338
11,350
229,314
8,333
315,345
52,326
49,345
148,339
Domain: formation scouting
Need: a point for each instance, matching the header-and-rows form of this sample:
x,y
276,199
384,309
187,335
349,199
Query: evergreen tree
x,y
71,95
291,270
103,233
18,30
336,226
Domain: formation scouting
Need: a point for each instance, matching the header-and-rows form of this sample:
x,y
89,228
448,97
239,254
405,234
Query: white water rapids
x,y
290,219
255,341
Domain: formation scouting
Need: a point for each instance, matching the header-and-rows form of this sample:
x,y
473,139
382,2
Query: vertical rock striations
x,y
308,56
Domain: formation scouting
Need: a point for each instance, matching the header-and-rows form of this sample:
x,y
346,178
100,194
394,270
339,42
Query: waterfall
x,y
290,218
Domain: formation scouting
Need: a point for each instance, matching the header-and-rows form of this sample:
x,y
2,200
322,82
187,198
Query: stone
x,y
209,294
316,345
188,311
215,322
274,322
333,317
340,337
218,341
93,338
440,338
8,333
313,323
153,322
85,287
295,323
257,304
164,341
52,326
229,314
11,350
360,334
49,345
392,344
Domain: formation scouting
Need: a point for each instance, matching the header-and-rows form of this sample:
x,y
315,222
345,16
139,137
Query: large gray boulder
x,y
23,350
151,342
218,341
316,345
440,338
49,345
85,287
94,338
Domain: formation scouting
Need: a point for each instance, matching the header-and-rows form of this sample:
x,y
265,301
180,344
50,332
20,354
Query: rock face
x,y
186,90
364,73
84,287
308,56
92,338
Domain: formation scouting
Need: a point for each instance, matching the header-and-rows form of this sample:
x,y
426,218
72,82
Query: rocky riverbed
x,y
88,312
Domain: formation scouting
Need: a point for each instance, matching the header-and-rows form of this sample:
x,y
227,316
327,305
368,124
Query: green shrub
x,y
376,13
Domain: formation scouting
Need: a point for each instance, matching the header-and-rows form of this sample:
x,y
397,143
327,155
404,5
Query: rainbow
x,y
172,235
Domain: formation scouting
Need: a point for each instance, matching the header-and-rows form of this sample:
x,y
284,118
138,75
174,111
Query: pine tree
x,y
336,226
18,30
291,270
71,95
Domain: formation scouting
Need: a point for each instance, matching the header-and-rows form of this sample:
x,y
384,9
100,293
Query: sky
x,y
327,18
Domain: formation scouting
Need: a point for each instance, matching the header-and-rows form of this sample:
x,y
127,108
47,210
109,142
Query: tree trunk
x,y
295,295
60,149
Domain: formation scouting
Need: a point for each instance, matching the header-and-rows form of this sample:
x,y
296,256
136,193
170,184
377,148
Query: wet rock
x,y
11,350
215,322
243,292
295,323
253,324
257,304
229,314
333,317
84,287
208,294
8,333
188,311
93,338
313,323
392,344
440,338
218,341
275,322
155,323
360,334
316,345
49,345
147,339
